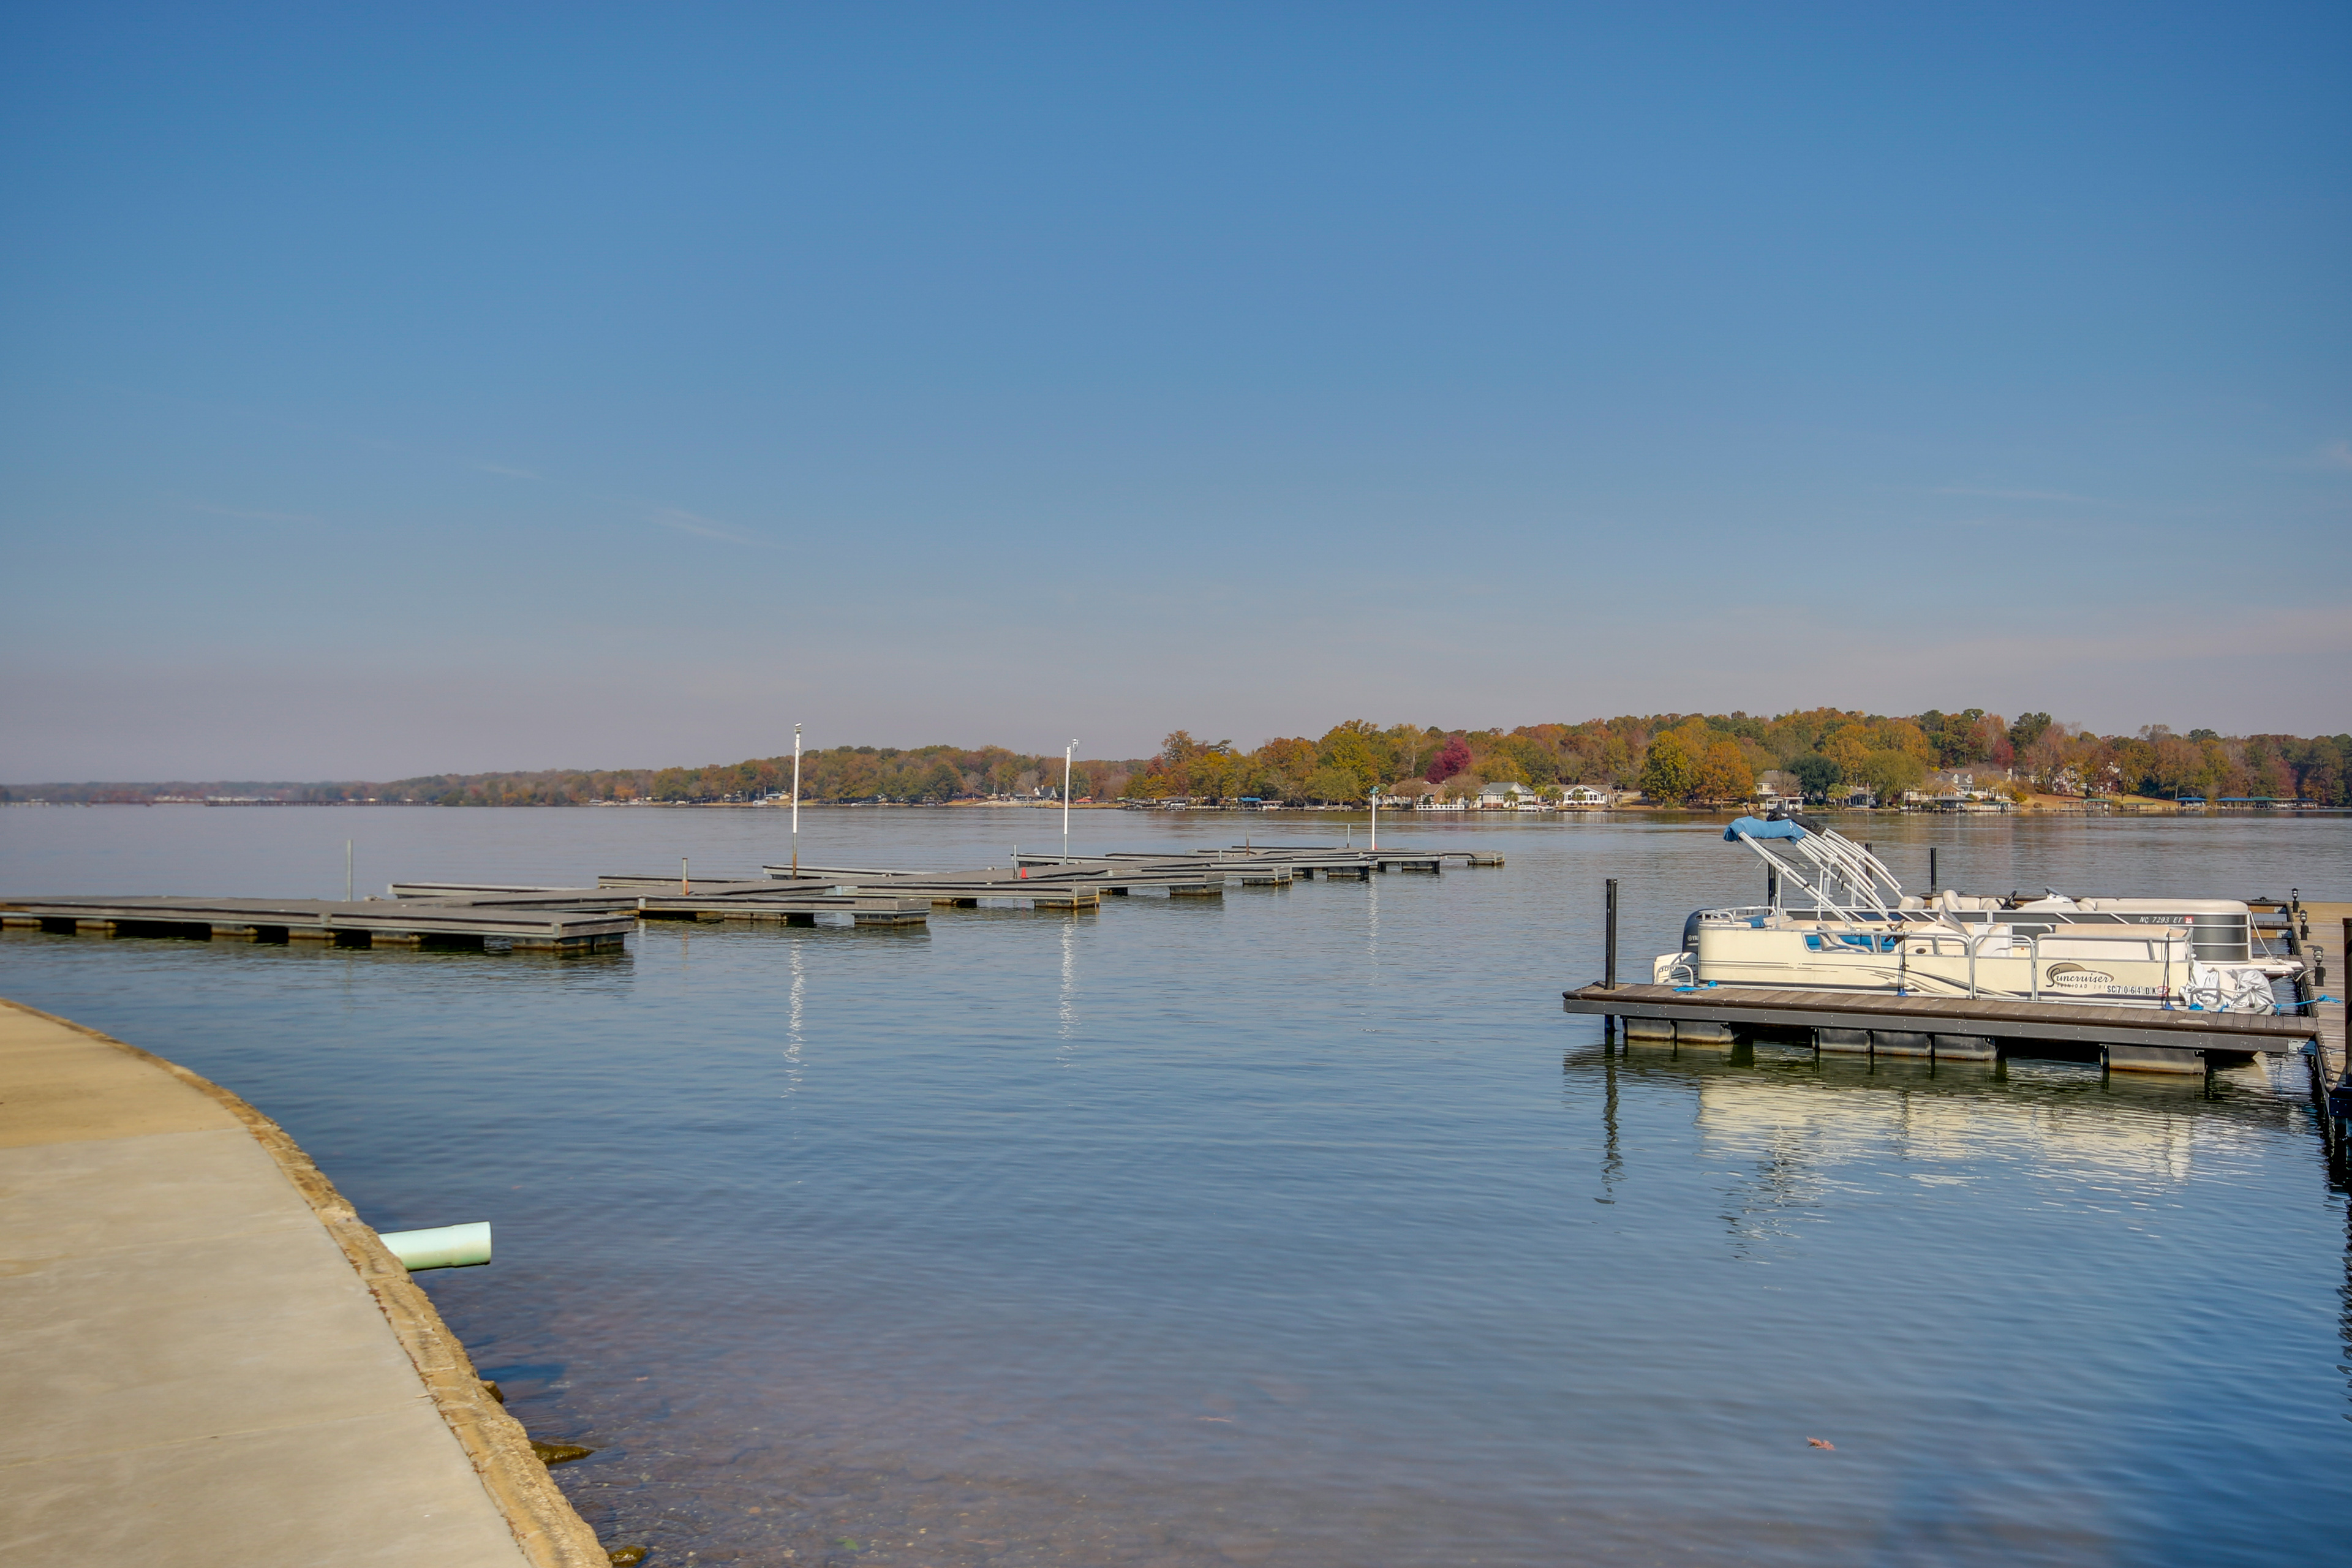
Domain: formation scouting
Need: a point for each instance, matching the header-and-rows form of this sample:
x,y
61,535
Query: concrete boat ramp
x,y
206,1357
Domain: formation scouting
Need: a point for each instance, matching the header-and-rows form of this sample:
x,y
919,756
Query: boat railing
x,y
2032,941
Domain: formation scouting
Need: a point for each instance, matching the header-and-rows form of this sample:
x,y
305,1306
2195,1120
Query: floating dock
x,y
645,897
570,921
1301,858
2323,934
366,923
2138,1039
1040,879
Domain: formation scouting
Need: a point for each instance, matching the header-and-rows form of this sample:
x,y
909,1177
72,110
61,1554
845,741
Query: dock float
x,y
570,921
794,908
1302,860
2139,1039
206,1356
388,922
1055,881
959,890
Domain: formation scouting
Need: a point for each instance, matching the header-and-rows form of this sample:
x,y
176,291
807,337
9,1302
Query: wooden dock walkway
x,y
386,922
527,918
2145,1039
1301,859
650,897
965,890
1052,880
2327,945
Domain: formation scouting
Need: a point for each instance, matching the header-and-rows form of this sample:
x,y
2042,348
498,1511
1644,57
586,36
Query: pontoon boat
x,y
1836,919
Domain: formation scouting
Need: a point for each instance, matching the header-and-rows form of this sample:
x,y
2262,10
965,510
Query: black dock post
x,y
1772,887
1609,955
1608,963
1931,868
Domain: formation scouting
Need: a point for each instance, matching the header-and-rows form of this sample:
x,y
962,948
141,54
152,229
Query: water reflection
x,y
1305,1268
795,997
1807,1128
1613,1159
1069,1009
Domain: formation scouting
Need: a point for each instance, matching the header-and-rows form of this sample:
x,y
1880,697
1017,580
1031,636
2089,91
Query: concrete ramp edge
x,y
549,1530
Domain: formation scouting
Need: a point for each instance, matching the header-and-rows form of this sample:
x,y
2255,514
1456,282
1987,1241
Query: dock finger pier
x,y
573,922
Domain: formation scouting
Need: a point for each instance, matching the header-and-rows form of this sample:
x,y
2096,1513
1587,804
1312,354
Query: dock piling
x,y
1931,868
1609,960
1609,939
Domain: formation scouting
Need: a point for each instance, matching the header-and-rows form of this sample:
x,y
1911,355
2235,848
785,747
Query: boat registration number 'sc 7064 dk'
x,y
2076,978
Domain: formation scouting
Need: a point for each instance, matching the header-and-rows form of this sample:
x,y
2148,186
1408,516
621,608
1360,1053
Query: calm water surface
x,y
1299,1227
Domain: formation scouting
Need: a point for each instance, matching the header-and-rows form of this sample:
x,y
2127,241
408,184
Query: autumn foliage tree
x,y
1671,774
1674,757
1725,775
1451,759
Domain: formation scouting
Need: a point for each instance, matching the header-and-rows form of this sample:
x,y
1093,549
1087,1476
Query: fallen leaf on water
x,y
1817,1442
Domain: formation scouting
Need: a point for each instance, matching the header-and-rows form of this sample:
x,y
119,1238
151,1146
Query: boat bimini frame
x,y
1840,877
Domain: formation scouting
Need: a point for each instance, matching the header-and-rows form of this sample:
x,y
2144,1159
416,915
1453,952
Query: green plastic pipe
x,y
449,1247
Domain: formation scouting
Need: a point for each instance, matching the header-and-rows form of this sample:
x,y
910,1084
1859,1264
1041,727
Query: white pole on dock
x,y
685,888
1069,762
796,802
347,871
1376,816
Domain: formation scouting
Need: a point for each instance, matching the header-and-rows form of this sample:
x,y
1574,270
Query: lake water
x,y
1298,1227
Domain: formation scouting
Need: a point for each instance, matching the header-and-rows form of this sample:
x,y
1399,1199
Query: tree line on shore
x,y
1680,759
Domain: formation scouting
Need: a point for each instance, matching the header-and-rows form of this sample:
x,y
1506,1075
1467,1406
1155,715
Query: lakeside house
x,y
1959,792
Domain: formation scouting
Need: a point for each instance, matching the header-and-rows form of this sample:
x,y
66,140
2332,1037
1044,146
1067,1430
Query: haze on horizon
x,y
404,390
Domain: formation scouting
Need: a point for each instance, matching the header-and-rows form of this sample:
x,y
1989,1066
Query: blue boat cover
x,y
1757,827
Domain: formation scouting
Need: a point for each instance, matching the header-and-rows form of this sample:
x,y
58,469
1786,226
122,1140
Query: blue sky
x,y
411,388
